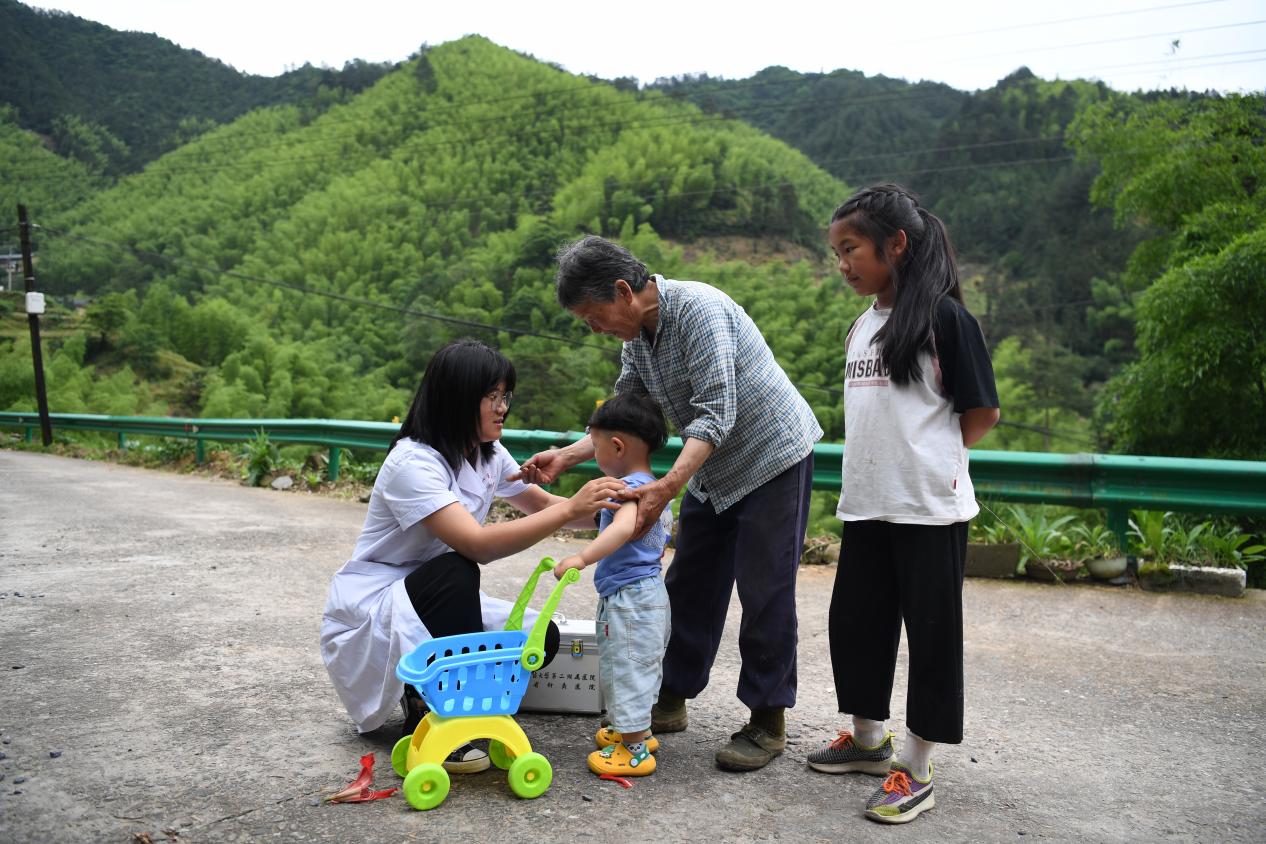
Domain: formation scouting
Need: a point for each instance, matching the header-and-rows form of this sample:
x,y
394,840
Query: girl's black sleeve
x,y
966,370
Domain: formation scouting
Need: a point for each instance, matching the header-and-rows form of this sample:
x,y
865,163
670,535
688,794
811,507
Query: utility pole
x,y
34,307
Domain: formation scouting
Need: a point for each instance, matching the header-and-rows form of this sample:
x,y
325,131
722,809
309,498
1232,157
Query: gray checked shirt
x,y
711,371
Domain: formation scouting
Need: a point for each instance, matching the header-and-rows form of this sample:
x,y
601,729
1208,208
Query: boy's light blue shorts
x,y
633,629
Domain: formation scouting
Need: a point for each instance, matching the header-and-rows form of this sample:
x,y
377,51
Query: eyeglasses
x,y
495,399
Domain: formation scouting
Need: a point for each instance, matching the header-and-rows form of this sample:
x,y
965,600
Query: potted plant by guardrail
x,y
1096,548
261,456
1200,558
1045,544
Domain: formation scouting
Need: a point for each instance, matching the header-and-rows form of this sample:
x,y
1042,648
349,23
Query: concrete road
x,y
160,677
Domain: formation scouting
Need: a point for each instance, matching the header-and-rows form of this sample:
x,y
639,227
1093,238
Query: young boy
x,y
633,615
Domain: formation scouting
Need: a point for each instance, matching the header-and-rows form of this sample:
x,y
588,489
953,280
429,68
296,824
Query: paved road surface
x,y
160,632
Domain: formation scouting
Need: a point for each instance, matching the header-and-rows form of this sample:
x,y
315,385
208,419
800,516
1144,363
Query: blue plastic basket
x,y
469,674
484,673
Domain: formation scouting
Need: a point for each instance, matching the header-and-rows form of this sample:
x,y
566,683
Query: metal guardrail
x,y
1115,483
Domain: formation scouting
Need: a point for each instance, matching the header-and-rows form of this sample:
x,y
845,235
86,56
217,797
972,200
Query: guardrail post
x,y
28,436
200,451
332,469
1119,524
122,441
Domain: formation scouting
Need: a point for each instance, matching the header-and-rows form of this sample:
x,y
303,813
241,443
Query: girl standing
x,y
414,574
919,390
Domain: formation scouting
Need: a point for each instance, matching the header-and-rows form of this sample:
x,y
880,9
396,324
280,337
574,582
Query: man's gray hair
x,y
589,268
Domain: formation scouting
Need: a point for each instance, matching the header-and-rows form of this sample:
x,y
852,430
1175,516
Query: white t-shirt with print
x,y
904,458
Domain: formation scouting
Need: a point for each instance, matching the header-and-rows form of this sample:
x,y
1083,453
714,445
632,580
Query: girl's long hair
x,y
924,275
445,409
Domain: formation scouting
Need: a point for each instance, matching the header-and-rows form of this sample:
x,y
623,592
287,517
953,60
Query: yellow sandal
x,y
617,760
606,737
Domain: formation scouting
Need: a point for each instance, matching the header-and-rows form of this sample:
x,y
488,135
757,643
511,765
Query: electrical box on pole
x,y
34,307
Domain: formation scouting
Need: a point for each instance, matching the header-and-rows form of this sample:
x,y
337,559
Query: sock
x,y
916,754
772,719
668,701
637,748
868,733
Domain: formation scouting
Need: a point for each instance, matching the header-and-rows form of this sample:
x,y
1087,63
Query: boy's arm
x,y
612,537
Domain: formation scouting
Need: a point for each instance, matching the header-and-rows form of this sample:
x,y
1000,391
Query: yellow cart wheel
x,y
426,786
530,775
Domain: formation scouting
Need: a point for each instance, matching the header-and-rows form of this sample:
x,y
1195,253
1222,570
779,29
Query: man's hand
x,y
573,562
651,500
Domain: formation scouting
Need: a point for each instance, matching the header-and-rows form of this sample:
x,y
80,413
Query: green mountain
x,y
308,265
993,164
300,246
119,99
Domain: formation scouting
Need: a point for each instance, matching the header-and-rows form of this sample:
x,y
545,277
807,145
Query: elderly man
x,y
746,464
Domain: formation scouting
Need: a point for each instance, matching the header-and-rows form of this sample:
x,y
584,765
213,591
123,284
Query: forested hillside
x,y
994,165
116,100
303,244
310,267
1056,282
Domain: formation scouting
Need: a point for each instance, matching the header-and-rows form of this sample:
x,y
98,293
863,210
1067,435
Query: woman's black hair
x,y
445,409
628,413
925,274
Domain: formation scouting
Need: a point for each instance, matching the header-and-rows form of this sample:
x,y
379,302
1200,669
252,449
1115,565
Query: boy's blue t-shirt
x,y
634,560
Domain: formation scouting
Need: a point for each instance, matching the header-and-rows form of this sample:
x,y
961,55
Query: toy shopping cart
x,y
473,683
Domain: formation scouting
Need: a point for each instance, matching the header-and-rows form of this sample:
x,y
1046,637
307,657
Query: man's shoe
x,y
467,759
845,754
902,797
666,720
606,737
750,748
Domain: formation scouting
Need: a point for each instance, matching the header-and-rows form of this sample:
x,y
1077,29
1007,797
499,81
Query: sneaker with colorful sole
x,y
846,755
902,797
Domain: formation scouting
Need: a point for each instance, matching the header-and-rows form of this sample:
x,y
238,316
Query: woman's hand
x,y
594,496
575,561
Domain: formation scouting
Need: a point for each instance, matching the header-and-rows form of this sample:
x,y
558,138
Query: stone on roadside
x,y
284,482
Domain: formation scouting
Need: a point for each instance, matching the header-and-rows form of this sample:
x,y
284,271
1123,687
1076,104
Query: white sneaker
x,y
467,759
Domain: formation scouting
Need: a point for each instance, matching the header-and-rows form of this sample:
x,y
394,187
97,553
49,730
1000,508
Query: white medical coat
x,y
369,620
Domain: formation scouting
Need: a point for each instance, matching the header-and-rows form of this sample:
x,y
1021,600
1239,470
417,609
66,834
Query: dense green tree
x,y
1193,172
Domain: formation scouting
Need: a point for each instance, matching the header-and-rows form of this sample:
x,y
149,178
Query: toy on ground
x,y
473,683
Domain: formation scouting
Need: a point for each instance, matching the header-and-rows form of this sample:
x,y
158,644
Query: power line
x,y
1051,432
1172,60
1048,48
1014,27
438,317
144,253
369,303
1192,67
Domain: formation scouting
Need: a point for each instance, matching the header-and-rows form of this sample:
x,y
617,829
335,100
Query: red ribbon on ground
x,y
358,790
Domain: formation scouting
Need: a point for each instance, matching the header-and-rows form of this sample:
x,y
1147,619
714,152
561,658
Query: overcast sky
x,y
969,44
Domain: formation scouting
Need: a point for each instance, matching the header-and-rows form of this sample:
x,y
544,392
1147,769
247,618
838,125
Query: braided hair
x,y
924,275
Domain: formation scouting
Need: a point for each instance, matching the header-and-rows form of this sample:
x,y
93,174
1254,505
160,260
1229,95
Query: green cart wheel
x,y
426,786
499,755
400,757
530,775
